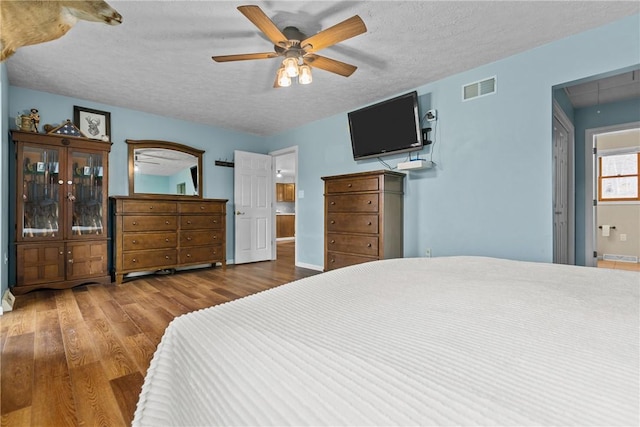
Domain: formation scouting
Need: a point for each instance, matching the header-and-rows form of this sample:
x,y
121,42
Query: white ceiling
x,y
159,59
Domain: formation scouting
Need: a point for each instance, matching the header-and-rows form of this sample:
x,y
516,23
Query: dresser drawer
x,y
140,260
359,245
338,260
348,185
139,241
149,223
352,223
194,222
201,207
208,254
353,203
200,238
138,206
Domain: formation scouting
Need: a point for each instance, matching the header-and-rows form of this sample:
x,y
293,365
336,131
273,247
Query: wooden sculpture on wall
x,y
25,23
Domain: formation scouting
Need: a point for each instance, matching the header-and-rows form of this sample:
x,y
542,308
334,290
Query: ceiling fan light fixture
x,y
305,75
291,66
283,78
279,174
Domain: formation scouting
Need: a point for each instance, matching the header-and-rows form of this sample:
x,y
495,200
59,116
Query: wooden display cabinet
x,y
61,236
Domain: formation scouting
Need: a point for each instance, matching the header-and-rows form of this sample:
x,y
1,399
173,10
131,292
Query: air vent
x,y
479,88
622,258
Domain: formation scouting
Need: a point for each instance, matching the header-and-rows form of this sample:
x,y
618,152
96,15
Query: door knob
x,y
239,213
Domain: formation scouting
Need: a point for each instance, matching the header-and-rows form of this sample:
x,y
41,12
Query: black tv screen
x,y
385,128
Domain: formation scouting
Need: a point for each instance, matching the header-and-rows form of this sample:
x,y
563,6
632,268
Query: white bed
x,y
421,341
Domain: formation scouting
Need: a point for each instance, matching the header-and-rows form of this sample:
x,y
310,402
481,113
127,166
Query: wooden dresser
x,y
167,232
363,218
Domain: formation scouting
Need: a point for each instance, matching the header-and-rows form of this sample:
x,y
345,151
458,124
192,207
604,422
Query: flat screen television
x,y
388,127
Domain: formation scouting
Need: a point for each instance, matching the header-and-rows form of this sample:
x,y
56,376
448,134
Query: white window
x,y
618,177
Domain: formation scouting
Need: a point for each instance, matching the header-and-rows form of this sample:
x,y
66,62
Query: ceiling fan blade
x,y
344,30
330,65
244,56
266,25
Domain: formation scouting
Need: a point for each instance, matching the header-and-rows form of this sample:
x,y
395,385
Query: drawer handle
x,y
150,207
134,260
188,255
166,257
215,237
369,223
349,185
201,208
333,222
189,238
61,252
134,241
135,223
333,260
369,202
369,245
333,241
188,221
166,222
166,240
333,203
215,221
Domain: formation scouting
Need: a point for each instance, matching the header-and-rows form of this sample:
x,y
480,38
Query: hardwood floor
x,y
79,356
619,265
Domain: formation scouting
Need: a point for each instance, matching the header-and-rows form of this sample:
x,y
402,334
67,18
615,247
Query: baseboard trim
x,y
310,266
7,301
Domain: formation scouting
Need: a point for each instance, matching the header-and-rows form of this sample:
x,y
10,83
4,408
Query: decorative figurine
x,y
35,119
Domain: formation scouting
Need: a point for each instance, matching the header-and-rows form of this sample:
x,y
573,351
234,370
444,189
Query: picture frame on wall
x,y
94,124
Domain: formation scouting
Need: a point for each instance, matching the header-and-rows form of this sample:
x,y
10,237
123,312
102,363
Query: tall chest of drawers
x,y
363,218
167,233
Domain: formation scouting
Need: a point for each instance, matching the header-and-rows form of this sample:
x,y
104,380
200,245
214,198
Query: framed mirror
x,y
164,168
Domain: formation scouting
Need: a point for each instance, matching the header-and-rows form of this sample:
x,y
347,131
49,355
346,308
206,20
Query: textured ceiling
x,y
159,59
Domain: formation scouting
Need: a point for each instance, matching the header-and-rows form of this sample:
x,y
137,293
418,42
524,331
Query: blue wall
x,y
491,191
4,184
156,184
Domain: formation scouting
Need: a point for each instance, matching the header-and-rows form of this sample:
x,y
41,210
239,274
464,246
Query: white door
x,y
252,200
560,193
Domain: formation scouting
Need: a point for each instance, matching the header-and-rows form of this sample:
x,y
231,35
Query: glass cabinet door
x,y
88,200
39,208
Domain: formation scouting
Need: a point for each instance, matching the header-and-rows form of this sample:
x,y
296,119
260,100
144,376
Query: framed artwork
x,y
93,124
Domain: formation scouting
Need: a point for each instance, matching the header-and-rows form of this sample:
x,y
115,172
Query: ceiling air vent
x,y
479,88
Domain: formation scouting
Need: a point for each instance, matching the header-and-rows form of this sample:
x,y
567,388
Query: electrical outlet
x,y
427,253
432,115
623,237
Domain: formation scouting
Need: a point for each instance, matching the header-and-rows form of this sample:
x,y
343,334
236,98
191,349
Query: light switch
x,y
300,194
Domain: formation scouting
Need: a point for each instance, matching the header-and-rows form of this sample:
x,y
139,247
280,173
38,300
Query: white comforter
x,y
439,341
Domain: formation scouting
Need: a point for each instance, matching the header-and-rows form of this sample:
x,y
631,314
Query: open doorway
x,y
285,166
615,221
592,105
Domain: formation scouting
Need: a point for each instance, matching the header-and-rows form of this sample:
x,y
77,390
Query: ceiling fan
x,y
297,49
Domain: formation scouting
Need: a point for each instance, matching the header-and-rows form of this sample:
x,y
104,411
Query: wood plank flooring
x,y
79,356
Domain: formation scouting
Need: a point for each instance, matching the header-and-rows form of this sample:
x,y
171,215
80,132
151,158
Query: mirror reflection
x,y
161,167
